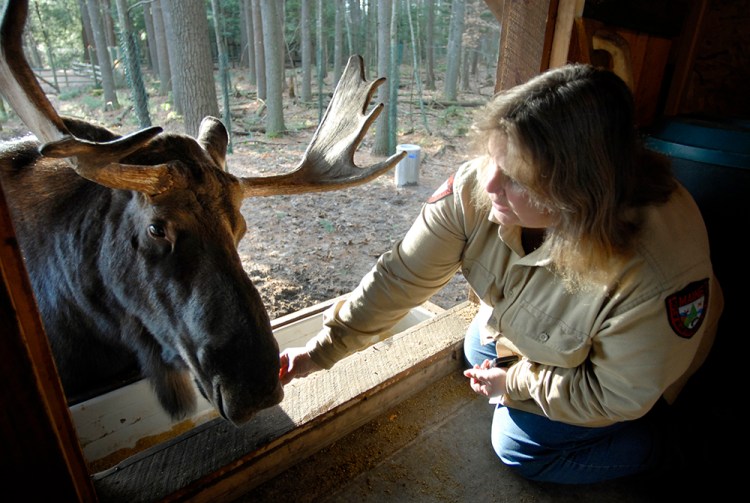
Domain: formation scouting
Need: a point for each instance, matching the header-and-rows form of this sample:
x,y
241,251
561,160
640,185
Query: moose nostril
x,y
219,403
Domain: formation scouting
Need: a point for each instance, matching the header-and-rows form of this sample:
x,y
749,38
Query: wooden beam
x,y
526,28
36,430
124,422
567,12
219,462
690,36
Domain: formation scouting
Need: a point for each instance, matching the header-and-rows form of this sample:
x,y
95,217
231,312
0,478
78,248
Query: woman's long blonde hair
x,y
576,125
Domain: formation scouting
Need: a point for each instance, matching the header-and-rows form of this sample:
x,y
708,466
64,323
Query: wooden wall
x,y
690,57
38,442
717,83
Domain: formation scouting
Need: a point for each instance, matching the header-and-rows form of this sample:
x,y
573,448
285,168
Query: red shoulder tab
x,y
445,190
686,309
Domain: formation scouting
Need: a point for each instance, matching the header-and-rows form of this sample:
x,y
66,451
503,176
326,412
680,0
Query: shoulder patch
x,y
686,309
445,190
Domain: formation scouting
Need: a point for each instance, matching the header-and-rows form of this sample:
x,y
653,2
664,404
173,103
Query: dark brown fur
x,y
129,283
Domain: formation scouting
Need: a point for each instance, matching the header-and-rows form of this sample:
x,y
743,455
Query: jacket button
x,y
544,337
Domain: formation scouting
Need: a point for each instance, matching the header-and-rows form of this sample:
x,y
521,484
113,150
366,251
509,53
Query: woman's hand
x,y
487,380
296,362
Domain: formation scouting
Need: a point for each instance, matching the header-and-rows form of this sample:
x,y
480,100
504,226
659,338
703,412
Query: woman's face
x,y
511,200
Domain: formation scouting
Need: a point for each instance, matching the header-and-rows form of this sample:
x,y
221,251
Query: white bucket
x,y
407,169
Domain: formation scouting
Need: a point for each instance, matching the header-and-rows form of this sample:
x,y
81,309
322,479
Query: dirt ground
x,y
304,249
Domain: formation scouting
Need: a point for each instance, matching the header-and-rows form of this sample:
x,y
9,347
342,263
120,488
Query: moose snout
x,y
239,415
240,409
240,377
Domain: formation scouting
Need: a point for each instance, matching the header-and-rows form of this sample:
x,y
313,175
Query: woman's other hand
x,y
487,380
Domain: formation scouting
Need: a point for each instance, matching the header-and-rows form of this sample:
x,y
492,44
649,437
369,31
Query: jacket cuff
x,y
516,386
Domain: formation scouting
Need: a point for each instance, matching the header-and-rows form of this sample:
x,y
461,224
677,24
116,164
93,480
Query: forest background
x,y
267,68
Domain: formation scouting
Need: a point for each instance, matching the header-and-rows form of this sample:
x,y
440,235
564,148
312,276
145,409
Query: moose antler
x,y
328,163
23,92
17,81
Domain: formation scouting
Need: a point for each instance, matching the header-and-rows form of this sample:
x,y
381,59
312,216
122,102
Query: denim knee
x,y
543,450
533,446
515,455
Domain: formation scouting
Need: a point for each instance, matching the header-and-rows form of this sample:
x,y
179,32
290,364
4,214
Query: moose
x,y
130,242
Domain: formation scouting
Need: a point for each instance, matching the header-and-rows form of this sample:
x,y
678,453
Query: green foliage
x,y
231,28
296,126
73,93
92,102
61,21
456,118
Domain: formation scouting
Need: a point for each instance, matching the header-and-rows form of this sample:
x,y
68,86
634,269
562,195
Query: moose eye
x,y
156,231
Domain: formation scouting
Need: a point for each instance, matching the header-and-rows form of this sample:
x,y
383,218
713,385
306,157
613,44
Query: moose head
x,y
130,242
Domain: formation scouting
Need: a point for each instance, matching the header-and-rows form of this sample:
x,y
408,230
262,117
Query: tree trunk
x,y
319,56
174,54
338,39
380,145
252,77
393,81
195,73
102,55
243,34
108,24
453,55
260,52
34,54
281,41
162,51
417,78
306,42
48,48
148,19
430,47
221,51
274,68
133,65
88,34
348,30
355,26
371,42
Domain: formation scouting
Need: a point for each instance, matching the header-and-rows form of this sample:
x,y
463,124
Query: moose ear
x,y
213,136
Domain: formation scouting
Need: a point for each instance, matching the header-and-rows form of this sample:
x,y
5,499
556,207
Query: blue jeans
x,y
544,450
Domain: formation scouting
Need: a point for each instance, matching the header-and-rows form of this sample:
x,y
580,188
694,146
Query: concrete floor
x,y
434,447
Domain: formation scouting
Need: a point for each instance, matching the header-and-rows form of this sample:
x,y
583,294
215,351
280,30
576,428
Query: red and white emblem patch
x,y
686,309
445,190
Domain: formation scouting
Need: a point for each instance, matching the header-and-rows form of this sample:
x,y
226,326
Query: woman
x,y
593,271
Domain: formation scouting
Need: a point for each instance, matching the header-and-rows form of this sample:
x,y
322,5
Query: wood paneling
x,y
36,431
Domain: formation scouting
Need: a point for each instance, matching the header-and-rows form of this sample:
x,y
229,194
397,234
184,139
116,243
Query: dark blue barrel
x,y
712,159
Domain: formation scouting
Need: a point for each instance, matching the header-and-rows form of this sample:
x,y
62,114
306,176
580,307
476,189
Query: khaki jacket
x,y
590,358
